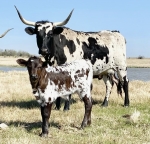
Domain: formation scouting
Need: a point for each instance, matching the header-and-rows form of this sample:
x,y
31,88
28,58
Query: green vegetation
x,y
13,53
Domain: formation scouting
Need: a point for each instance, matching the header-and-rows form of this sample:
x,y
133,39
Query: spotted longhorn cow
x,y
50,82
105,49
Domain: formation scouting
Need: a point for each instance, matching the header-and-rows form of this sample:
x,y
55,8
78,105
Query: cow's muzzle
x,y
43,52
33,77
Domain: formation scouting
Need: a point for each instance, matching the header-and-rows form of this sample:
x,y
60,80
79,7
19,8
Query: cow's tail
x,y
118,84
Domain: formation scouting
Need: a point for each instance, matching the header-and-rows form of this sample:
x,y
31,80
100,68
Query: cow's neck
x,y
57,50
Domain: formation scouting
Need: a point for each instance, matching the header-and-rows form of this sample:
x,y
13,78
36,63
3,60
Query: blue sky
x,y
130,17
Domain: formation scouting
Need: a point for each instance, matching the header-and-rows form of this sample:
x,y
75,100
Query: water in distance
x,y
8,68
142,74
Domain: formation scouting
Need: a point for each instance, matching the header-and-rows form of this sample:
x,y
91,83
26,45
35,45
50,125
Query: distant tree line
x,y
140,57
9,52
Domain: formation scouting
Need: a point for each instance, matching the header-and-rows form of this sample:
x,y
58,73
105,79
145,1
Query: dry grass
x,y
131,62
8,61
20,111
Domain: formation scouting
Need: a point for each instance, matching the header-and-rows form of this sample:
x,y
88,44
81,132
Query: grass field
x,y
20,111
9,61
131,62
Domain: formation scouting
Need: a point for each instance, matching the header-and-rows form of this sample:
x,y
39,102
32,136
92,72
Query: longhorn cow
x,y
105,49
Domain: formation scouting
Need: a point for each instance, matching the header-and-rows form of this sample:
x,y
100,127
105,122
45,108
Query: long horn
x,y
64,22
24,20
5,33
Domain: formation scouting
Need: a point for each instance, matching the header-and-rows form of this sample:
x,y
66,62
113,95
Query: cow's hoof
x,y
66,109
83,125
66,106
43,135
126,105
89,123
56,108
81,128
104,105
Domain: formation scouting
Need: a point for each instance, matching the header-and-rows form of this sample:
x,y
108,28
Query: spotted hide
x,y
50,82
105,49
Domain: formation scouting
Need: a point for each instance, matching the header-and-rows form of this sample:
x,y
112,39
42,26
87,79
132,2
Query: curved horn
x,y
24,20
64,22
5,33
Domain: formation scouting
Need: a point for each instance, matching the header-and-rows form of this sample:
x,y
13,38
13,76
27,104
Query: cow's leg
x,y
45,113
122,74
126,90
58,105
109,84
67,103
88,108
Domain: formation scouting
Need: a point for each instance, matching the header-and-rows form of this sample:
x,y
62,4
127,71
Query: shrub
x,y
9,52
140,57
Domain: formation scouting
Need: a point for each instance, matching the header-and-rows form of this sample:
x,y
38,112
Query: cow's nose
x,y
34,76
44,50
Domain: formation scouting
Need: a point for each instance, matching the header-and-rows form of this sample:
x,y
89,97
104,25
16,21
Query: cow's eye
x,y
49,34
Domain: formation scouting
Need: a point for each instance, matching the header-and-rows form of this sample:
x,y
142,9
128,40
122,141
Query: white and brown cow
x,y
49,83
105,49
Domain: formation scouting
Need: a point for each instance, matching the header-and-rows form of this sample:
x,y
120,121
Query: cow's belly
x,y
50,96
52,92
100,66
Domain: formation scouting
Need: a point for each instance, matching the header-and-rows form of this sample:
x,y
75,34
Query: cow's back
x,y
110,50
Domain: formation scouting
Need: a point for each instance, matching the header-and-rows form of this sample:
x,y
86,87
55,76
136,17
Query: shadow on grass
x,y
27,104
111,103
27,126
34,125
95,102
34,104
21,104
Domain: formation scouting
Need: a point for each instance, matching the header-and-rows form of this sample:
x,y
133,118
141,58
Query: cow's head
x,y
5,33
44,31
34,65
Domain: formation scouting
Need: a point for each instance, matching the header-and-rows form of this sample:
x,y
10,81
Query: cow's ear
x,y
22,62
58,30
30,30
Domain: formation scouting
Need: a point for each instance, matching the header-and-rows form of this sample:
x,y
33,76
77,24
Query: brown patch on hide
x,y
82,73
61,79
